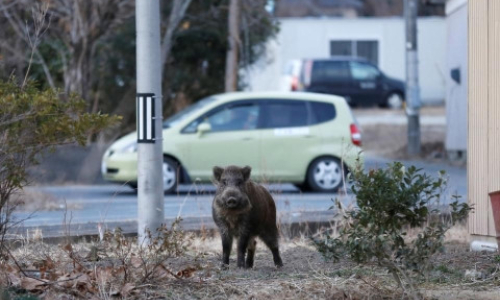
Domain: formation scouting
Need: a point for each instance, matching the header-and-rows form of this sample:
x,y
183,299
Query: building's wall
x,y
310,38
484,113
456,93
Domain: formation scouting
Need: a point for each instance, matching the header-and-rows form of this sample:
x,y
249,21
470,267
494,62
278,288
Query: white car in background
x,y
290,77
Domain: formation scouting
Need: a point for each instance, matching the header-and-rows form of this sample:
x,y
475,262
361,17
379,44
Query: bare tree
x,y
79,25
177,13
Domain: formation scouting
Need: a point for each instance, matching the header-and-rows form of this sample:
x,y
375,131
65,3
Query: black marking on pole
x,y
145,121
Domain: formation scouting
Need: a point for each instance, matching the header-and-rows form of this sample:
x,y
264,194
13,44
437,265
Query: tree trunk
x,y
233,43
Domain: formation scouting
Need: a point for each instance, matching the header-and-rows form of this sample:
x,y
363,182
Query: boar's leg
x,y
251,252
243,243
227,244
271,241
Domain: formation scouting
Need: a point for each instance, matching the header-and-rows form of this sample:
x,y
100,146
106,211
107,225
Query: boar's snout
x,y
234,198
231,202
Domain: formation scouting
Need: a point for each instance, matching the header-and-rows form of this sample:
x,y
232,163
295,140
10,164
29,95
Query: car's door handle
x,y
308,136
247,139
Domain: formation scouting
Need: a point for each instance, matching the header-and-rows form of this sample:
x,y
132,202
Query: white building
x,y
381,40
456,79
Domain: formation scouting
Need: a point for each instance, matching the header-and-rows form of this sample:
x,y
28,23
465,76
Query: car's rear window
x,y
280,114
327,71
322,112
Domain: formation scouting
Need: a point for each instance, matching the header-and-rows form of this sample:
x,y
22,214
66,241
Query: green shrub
x,y
390,202
31,122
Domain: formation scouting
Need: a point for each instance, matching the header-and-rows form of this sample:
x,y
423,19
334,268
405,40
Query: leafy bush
x,y
31,122
391,202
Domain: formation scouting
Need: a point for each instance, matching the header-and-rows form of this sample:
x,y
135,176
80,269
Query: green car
x,y
308,139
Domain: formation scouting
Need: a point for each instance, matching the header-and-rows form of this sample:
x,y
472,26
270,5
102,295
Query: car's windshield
x,y
187,112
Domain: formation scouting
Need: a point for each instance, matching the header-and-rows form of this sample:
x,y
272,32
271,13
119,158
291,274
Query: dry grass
x,y
115,269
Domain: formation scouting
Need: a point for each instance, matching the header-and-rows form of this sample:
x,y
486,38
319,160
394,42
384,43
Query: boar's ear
x,y
217,173
246,172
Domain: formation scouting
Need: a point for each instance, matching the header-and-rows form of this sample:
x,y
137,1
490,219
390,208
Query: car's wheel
x,y
394,101
170,175
325,175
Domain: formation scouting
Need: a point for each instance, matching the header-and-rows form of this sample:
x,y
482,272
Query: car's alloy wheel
x,y
325,175
169,176
169,170
395,101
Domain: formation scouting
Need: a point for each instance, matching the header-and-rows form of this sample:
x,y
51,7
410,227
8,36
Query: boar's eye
x,y
224,182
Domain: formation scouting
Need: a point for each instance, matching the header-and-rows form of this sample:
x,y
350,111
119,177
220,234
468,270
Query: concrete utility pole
x,y
149,118
412,87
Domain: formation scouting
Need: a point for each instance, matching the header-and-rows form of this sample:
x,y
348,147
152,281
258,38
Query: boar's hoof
x,y
279,265
224,266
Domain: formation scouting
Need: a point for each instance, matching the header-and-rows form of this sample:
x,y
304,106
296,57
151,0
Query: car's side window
x,y
322,112
239,117
229,118
328,71
280,114
362,71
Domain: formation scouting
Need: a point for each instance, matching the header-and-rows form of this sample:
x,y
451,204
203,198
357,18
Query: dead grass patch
x,y
117,269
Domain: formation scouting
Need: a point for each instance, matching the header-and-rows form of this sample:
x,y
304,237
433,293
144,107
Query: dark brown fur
x,y
244,209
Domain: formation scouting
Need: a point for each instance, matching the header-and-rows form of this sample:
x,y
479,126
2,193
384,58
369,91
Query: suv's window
x,y
362,71
281,114
327,71
232,117
322,112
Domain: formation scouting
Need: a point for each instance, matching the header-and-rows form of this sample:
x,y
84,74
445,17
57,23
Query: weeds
x,y
392,202
113,267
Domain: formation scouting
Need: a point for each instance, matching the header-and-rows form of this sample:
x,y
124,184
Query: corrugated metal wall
x,y
483,112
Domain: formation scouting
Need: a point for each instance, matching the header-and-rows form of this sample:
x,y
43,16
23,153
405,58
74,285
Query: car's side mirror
x,y
203,128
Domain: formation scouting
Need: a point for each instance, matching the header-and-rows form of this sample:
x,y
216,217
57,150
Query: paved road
x,y
116,205
370,116
400,120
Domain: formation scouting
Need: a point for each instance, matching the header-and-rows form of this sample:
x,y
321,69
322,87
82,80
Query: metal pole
x,y
149,119
412,87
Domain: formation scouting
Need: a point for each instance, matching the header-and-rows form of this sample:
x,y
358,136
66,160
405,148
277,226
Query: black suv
x,y
357,80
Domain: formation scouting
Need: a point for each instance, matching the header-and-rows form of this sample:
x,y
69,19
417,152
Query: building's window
x,y
367,49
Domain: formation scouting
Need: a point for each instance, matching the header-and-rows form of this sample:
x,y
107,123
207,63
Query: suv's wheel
x,y
394,101
170,178
325,175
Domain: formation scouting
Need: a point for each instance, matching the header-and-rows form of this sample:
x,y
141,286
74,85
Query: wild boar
x,y
244,209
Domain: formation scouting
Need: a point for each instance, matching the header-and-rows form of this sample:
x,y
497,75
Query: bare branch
x,y
177,13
